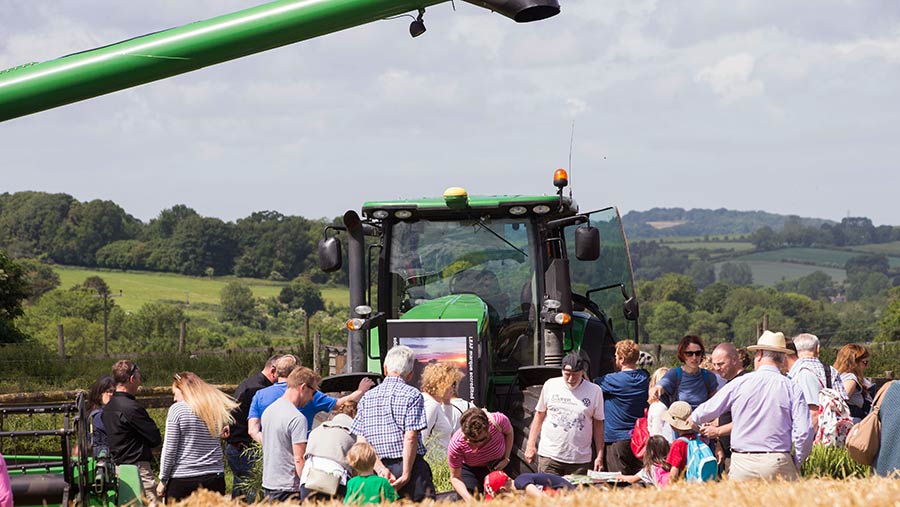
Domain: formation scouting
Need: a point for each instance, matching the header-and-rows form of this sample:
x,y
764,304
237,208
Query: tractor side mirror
x,y
587,243
630,309
330,254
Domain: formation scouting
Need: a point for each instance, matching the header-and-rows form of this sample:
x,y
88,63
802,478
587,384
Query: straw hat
x,y
679,416
771,341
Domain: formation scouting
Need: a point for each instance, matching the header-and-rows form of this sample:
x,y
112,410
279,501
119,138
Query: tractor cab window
x,y
598,285
488,258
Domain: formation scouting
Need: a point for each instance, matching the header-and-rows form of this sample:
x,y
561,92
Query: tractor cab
x,y
503,285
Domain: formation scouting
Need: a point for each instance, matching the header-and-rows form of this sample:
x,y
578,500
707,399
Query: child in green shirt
x,y
366,487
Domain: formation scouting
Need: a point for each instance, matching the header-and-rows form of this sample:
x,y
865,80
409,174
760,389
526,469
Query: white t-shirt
x,y
455,410
438,429
567,432
656,425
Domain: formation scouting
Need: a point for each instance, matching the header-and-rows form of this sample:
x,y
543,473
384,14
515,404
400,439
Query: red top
x,y
678,452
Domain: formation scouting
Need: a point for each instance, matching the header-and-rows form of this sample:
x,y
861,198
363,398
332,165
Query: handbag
x,y
322,481
864,438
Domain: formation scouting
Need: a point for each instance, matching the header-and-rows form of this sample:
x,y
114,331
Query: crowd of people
x,y
761,424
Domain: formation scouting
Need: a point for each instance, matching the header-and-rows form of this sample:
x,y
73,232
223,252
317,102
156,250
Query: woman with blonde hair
x,y
192,454
438,386
852,361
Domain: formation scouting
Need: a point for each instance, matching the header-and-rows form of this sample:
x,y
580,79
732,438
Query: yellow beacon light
x,y
456,197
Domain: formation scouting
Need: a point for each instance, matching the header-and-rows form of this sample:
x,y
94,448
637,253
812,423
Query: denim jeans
x,y
240,468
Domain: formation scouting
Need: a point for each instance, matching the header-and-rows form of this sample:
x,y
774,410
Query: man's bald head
x,y
726,361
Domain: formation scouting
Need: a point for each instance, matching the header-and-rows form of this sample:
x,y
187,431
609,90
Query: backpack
x,y
639,436
709,380
701,463
834,415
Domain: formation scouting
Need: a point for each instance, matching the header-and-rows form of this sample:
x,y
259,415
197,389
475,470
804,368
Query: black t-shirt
x,y
244,396
725,419
130,431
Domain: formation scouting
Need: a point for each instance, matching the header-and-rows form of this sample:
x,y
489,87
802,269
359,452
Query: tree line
x,y
851,231
61,229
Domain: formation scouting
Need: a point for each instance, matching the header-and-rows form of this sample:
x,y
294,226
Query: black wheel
x,y
82,425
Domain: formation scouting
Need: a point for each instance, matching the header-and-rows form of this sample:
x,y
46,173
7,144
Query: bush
x,y
832,462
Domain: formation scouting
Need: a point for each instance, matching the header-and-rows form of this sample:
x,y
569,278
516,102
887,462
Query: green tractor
x,y
504,286
70,474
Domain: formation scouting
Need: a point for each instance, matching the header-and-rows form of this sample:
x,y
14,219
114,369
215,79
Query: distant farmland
x,y
140,287
769,273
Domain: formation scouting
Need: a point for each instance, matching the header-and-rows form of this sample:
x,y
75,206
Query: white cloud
x,y
887,49
476,100
732,78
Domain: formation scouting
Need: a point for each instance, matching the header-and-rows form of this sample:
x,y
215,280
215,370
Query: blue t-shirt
x,y
694,388
624,401
265,397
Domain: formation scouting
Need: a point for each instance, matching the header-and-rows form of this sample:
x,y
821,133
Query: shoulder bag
x,y
864,438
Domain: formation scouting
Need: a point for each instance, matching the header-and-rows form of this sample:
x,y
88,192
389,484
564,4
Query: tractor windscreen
x,y
488,258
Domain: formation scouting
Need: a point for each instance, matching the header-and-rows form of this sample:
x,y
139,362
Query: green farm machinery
x,y
504,286
47,453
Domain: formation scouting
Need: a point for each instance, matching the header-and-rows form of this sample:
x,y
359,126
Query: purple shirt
x,y
768,410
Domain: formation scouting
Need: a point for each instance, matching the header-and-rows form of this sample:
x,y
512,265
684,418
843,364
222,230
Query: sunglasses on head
x,y
696,353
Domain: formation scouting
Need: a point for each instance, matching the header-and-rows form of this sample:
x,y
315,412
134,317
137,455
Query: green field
x,y
769,273
722,246
890,249
817,256
139,287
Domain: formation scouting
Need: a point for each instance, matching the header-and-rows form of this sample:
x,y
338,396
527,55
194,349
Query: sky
x,y
788,107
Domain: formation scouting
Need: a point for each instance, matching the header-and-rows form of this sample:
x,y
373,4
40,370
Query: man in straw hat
x,y
769,413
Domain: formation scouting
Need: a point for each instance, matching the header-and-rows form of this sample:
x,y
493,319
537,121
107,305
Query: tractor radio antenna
x,y
571,146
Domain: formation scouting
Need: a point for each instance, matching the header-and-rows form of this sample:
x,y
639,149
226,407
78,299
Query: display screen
x,y
442,341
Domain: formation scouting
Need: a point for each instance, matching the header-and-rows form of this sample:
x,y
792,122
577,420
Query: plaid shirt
x,y
814,366
388,411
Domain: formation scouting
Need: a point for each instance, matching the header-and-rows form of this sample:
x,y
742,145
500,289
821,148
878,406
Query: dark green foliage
x,y
816,285
304,294
712,298
154,328
703,273
14,290
889,326
736,273
40,276
866,284
652,260
238,305
179,240
870,263
96,284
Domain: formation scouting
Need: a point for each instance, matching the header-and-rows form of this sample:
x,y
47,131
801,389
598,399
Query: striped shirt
x,y
460,452
188,448
386,412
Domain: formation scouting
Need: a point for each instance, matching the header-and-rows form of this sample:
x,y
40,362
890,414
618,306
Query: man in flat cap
x,y
569,417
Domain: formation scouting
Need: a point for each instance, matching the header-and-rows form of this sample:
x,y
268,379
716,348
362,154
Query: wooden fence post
x,y
182,336
61,341
316,345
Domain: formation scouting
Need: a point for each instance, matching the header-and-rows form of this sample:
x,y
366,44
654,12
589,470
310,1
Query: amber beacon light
x,y
560,178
